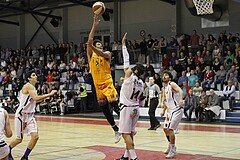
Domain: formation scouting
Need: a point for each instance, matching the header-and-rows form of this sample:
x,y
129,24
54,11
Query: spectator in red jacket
x,y
208,78
185,89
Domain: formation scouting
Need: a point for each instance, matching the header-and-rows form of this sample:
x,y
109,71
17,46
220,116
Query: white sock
x,y
172,146
126,153
169,145
132,153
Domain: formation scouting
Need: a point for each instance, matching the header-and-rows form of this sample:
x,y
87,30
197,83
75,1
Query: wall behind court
x,y
153,16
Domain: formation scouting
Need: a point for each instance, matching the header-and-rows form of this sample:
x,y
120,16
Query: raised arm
x,y
91,36
126,62
90,47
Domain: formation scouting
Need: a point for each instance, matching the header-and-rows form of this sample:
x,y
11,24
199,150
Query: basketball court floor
x,y
79,138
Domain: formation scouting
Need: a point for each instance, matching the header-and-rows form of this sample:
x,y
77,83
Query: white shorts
x,y
30,127
128,119
4,150
173,118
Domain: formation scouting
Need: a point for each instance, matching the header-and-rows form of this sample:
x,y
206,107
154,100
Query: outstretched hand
x,y
53,92
124,39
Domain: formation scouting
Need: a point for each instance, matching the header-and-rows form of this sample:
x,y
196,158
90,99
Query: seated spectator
x,y
72,79
185,87
228,94
60,102
173,59
217,52
182,59
173,72
197,89
213,108
192,79
216,65
55,77
229,56
6,80
208,78
233,79
62,67
207,58
197,58
220,77
228,64
49,77
44,104
199,73
236,64
190,104
201,105
188,71
53,105
182,79
190,62
232,70
202,65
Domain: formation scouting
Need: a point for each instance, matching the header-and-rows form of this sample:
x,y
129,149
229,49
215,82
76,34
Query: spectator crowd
x,y
198,63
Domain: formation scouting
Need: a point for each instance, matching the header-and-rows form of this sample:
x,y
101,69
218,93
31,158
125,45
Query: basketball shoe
x,y
169,148
171,154
117,136
122,158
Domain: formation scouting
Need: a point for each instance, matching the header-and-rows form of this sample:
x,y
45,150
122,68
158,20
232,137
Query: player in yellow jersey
x,y
99,62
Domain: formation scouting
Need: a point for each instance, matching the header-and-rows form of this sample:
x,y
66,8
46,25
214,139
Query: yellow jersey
x,y
100,69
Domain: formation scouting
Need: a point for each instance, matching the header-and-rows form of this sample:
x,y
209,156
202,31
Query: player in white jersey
x,y
24,116
131,90
172,101
5,129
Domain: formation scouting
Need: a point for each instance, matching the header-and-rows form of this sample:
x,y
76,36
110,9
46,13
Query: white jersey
x,y
2,124
27,104
131,90
171,98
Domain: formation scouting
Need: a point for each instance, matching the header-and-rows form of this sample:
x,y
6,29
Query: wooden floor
x,y
78,138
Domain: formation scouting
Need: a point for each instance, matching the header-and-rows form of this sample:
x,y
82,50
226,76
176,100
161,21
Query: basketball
x,y
98,8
